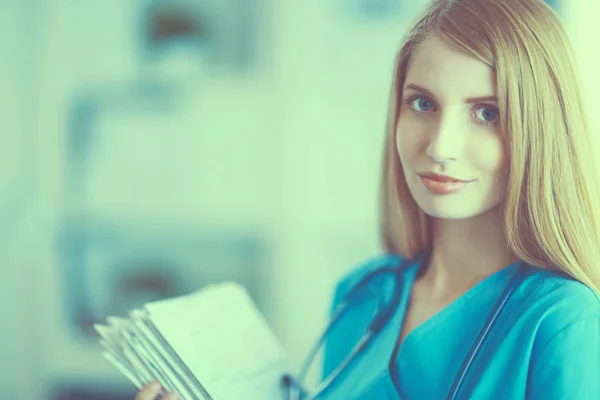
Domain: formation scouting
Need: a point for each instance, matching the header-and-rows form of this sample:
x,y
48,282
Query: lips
x,y
443,178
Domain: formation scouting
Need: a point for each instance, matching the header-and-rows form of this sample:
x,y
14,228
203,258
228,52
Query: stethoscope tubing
x,y
381,318
483,334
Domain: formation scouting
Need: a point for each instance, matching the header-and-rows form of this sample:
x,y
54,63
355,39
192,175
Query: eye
x,y
420,104
487,114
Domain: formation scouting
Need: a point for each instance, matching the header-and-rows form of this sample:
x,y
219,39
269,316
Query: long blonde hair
x,y
551,206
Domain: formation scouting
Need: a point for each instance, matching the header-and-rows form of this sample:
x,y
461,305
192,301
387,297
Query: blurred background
x,y
149,148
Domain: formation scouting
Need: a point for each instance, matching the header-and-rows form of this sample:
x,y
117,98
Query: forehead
x,y
448,71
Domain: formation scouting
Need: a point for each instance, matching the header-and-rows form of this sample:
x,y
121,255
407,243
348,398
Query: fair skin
x,y
449,124
151,390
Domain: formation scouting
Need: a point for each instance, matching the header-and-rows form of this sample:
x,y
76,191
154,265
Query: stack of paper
x,y
211,344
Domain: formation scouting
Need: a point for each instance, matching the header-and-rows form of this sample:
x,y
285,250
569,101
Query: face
x,y
449,125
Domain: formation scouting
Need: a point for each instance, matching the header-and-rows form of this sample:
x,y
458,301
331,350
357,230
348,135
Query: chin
x,y
454,210
439,213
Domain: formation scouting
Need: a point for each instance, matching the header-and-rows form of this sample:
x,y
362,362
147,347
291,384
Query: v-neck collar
x,y
376,371
491,281
486,283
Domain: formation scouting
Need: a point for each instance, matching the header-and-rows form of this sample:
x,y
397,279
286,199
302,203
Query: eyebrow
x,y
470,100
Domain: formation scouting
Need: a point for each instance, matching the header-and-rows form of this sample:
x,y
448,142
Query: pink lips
x,y
442,184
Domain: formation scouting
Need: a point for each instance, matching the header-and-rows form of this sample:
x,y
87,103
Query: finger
x,y
170,396
149,392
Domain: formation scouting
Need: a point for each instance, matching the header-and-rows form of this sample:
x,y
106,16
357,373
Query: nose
x,y
447,139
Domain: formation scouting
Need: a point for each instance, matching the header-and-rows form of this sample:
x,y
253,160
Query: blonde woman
x,y
488,172
489,288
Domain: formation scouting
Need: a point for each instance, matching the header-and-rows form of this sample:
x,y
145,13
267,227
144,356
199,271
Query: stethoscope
x,y
380,319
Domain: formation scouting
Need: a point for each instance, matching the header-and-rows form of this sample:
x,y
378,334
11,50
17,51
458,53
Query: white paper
x,y
211,344
224,341
154,351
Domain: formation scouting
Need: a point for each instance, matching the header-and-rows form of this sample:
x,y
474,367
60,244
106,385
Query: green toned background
x,y
149,148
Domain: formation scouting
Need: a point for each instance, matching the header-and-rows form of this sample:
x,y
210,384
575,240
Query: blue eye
x,y
423,104
488,114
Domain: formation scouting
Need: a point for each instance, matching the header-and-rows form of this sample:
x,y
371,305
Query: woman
x,y
488,172
484,92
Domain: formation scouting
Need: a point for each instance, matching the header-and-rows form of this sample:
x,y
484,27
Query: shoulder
x,y
561,295
557,302
342,337
361,270
565,354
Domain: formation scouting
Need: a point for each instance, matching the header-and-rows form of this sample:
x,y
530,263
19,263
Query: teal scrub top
x,y
544,345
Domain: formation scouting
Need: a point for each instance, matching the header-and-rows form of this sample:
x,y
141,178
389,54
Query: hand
x,y
151,390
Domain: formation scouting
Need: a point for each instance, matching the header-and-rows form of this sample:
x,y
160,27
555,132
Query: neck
x,y
463,253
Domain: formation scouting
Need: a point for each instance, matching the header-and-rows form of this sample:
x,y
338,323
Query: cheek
x,y
408,141
490,157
